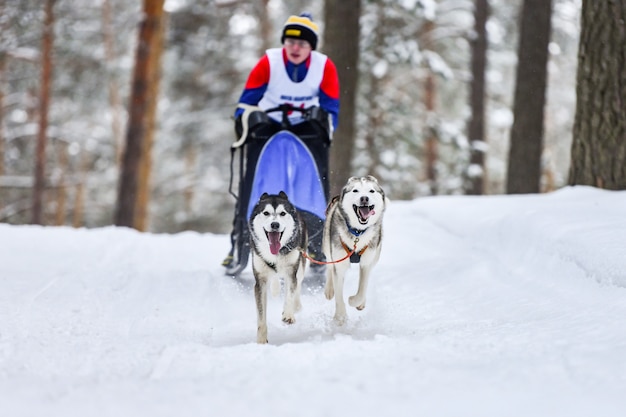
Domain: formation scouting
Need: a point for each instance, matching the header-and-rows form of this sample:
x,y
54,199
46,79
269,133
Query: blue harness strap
x,y
286,164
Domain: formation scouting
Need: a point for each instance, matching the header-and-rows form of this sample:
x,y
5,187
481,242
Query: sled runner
x,y
276,157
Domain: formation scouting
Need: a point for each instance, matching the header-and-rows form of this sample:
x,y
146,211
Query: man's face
x,y
298,50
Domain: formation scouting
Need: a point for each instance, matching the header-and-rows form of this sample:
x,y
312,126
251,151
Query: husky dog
x,y
277,238
353,225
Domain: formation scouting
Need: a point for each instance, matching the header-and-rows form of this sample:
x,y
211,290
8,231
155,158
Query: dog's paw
x,y
340,319
289,319
356,302
261,335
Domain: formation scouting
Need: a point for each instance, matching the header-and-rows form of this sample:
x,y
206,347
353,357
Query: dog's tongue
x,y
366,212
274,238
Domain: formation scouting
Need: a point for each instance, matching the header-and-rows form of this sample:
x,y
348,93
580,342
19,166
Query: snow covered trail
x,y
483,306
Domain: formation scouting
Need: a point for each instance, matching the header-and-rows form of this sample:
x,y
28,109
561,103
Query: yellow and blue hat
x,y
301,27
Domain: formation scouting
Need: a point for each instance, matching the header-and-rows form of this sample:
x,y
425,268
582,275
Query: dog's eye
x,y
266,213
355,191
283,214
372,191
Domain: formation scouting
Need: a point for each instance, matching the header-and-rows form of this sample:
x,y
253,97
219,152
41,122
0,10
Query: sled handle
x,y
285,109
247,109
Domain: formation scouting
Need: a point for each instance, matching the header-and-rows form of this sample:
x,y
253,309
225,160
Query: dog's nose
x,y
275,225
365,200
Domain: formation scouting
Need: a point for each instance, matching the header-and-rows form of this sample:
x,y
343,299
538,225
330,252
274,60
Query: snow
x,y
480,306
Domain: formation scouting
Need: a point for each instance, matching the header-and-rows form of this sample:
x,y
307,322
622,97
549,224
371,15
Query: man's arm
x,y
329,91
256,85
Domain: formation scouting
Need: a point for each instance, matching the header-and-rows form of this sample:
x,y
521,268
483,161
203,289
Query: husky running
x,y
278,236
353,226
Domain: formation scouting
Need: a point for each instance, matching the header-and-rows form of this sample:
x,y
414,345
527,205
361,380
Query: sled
x,y
276,157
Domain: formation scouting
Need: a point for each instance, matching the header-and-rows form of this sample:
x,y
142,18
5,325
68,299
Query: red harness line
x,y
347,249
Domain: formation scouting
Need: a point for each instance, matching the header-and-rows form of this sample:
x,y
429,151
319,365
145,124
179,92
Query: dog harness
x,y
355,257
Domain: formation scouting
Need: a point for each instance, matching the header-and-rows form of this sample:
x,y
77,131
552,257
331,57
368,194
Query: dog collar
x,y
355,232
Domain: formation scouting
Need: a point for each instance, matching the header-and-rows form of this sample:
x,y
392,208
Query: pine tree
x,y
599,143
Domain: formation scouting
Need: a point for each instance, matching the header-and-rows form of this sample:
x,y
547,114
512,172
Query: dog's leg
x,y
291,286
368,261
340,305
358,299
300,276
329,290
275,286
260,295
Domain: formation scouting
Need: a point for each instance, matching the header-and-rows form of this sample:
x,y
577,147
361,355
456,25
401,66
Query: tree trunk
x,y
2,140
376,114
61,189
524,173
4,25
190,173
341,43
266,26
432,140
599,144
115,101
476,129
136,131
145,163
44,102
79,197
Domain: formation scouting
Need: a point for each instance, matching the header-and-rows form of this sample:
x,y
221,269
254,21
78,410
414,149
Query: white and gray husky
x,y
277,238
353,225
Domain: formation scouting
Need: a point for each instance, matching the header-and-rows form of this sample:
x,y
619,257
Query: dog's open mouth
x,y
363,212
274,239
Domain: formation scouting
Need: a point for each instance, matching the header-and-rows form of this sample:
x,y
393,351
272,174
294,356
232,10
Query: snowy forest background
x,y
210,46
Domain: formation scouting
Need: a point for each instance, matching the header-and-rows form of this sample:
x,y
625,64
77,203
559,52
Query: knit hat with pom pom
x,y
301,27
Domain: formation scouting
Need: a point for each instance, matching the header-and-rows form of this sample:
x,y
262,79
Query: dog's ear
x,y
371,178
283,195
333,201
264,195
345,190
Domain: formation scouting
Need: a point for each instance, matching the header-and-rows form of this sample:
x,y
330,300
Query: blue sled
x,y
286,164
